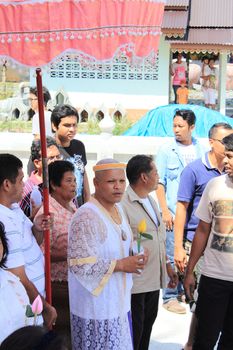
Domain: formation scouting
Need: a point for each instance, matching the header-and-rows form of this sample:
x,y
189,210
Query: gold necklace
x,y
118,221
115,218
115,215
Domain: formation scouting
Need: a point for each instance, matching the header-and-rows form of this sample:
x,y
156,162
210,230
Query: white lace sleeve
x,y
87,233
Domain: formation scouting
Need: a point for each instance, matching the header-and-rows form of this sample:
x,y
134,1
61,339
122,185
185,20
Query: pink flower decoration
x,y
37,306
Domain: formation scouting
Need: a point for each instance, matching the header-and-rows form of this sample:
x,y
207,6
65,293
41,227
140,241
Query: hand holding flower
x,y
36,309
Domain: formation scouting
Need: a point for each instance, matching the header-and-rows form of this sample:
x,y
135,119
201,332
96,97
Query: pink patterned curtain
x,y
35,32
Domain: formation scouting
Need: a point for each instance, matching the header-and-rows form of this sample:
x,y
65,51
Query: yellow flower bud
x,y
142,226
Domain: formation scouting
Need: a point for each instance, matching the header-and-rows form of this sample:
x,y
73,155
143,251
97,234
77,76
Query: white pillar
x,y
222,82
106,125
170,90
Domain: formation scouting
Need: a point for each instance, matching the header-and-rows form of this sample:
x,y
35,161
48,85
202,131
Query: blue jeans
x,y
171,293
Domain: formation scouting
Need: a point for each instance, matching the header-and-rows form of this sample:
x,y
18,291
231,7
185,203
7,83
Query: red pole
x,y
45,184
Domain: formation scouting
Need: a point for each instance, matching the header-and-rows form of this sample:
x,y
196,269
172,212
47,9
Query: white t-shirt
x,y
216,207
13,303
147,204
36,124
206,72
188,152
23,248
179,71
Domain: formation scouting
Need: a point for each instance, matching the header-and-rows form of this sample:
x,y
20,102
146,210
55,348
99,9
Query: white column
x,y
222,82
170,90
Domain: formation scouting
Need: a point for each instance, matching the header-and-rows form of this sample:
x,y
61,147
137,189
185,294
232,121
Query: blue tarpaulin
x,y
158,121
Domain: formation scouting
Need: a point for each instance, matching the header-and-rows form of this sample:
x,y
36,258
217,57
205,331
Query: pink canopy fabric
x,y
35,32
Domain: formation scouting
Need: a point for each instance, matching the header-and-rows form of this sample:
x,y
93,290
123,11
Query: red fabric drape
x,y
33,32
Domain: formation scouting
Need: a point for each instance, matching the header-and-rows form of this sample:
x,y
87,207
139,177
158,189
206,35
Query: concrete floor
x,y
170,330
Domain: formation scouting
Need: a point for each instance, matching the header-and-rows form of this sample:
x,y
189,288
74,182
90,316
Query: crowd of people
x,y
208,78
112,251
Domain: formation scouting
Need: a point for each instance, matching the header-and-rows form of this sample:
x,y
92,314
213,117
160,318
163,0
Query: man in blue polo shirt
x,y
193,181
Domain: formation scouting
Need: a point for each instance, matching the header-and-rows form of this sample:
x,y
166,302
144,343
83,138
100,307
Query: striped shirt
x,y
28,187
23,248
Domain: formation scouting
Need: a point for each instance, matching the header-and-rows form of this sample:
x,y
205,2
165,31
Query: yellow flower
x,y
142,226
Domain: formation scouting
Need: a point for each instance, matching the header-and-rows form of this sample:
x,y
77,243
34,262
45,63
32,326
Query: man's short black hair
x,y
36,147
187,114
9,167
46,94
57,171
63,111
136,166
217,126
228,143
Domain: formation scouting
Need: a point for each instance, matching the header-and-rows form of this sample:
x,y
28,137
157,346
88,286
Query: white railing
x,y
97,147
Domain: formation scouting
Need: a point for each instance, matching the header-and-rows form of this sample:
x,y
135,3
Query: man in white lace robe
x,y
100,267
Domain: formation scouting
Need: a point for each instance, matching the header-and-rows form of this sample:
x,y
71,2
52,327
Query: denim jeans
x,y
171,293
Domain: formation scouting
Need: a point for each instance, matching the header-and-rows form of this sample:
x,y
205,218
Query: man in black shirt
x,y
64,121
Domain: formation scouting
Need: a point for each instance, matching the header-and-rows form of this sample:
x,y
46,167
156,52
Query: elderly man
x,y
100,267
138,205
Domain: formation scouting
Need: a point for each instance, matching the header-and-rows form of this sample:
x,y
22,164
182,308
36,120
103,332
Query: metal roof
x,y
174,3
210,24
211,13
175,19
211,36
205,40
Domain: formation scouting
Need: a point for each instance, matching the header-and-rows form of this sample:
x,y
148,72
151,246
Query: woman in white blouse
x,y
13,296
